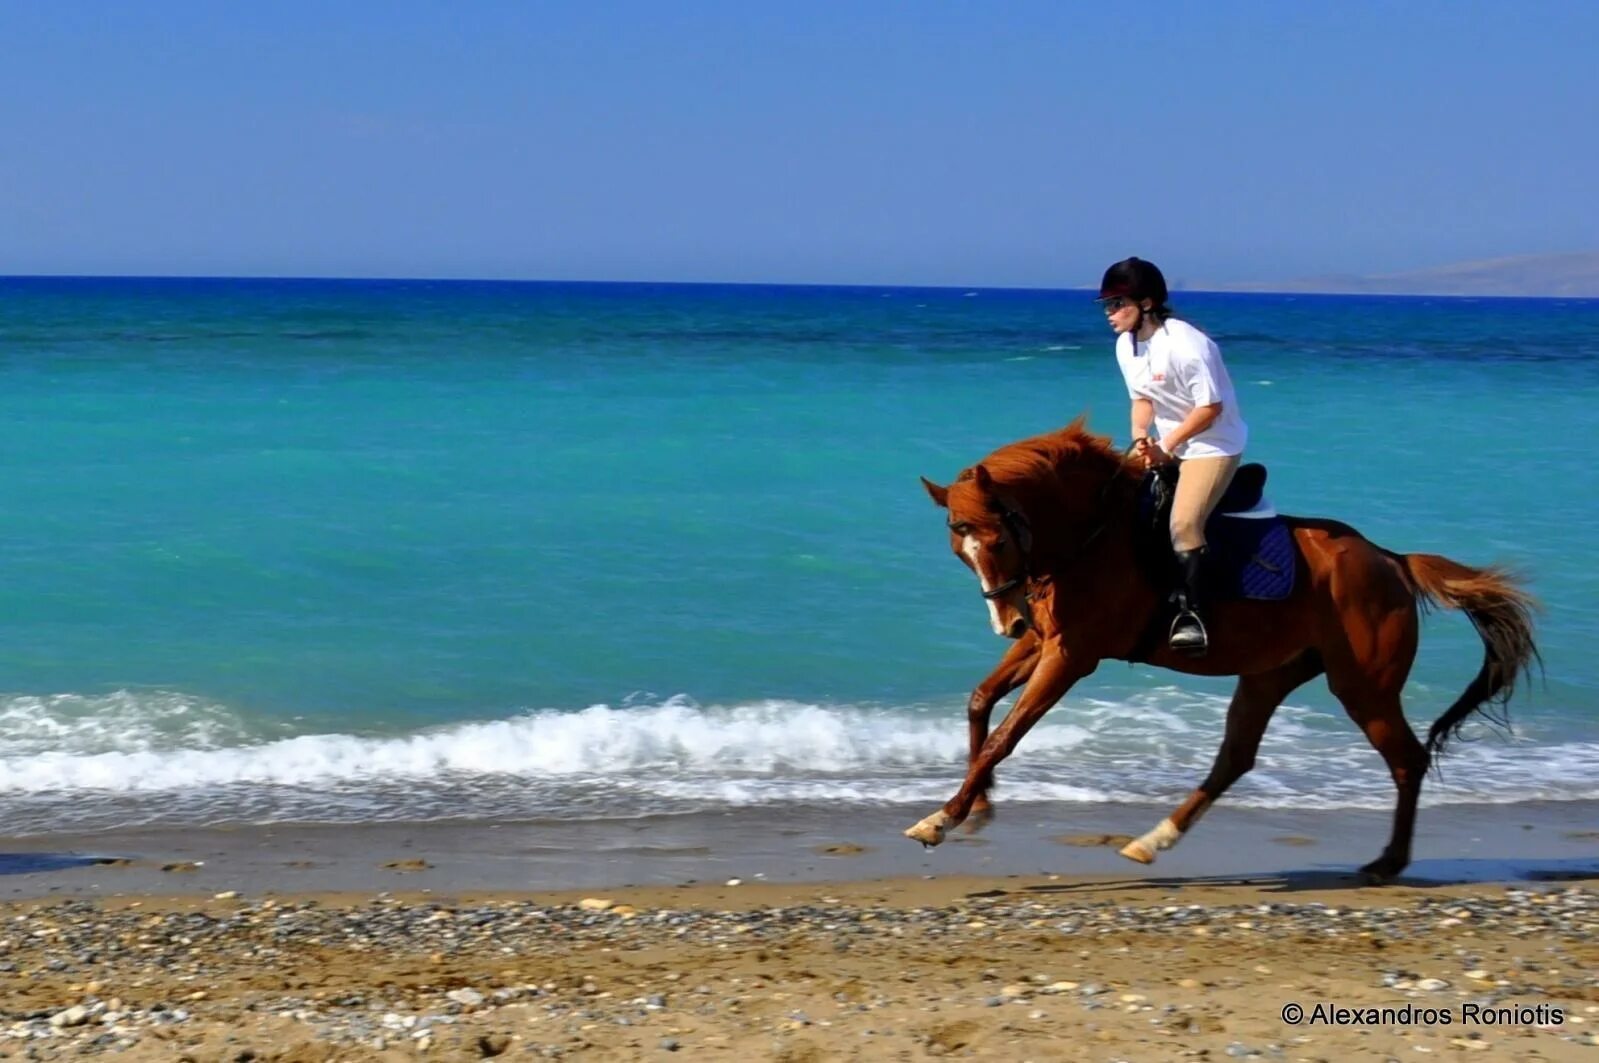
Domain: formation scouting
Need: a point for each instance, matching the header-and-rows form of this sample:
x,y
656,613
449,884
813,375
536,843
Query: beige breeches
x,y
1200,485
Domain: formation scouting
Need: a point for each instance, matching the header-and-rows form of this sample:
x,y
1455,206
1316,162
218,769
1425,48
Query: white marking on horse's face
x,y
973,549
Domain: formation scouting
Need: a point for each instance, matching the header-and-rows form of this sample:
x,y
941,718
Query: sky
x,y
1007,143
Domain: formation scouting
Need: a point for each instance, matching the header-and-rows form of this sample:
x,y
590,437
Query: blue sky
x,y
1008,143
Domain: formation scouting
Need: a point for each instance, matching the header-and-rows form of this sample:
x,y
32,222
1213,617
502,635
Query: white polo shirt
x,y
1179,369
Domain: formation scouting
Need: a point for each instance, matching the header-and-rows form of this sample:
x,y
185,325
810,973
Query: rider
x,y
1178,384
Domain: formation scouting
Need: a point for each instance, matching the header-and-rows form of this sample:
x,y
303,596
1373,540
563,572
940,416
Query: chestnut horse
x,y
1048,525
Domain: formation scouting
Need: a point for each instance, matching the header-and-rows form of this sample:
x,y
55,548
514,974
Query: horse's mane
x,y
1041,459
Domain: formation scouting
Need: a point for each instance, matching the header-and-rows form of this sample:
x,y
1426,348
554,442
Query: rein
x,y
1019,530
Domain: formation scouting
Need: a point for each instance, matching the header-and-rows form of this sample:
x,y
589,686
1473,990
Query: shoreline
x,y
1454,843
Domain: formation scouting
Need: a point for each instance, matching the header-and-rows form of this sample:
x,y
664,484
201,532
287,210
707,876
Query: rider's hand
x,y
1154,455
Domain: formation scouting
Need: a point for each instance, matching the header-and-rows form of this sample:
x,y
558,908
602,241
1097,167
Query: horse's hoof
x,y
929,831
1138,852
1382,870
980,818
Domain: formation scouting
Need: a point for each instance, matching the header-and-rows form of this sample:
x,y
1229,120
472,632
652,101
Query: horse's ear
x,y
980,475
939,495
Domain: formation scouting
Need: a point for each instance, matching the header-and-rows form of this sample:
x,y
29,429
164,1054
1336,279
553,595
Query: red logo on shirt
x,y
1158,377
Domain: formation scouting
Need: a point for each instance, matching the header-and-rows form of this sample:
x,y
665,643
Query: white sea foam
x,y
765,738
126,758
122,721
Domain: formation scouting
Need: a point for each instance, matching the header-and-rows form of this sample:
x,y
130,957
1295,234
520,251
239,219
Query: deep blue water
x,y
340,549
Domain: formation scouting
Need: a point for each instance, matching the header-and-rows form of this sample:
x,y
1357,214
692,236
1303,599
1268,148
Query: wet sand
x,y
1460,843
791,942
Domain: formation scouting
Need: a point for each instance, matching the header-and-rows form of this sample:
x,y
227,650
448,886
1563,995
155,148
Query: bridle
x,y
1021,533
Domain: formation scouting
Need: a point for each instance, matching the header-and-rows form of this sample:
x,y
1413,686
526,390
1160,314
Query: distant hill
x,y
1573,275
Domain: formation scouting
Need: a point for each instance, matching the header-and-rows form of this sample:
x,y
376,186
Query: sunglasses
x,y
1115,303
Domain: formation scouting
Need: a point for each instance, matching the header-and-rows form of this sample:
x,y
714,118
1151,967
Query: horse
x,y
1050,526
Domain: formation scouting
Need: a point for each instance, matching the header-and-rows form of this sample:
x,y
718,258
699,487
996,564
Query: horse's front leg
x,y
1054,675
1012,671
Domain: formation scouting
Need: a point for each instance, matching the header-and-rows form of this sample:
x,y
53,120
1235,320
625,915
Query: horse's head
x,y
993,538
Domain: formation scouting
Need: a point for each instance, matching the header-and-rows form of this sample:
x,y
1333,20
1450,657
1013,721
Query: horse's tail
x,y
1501,611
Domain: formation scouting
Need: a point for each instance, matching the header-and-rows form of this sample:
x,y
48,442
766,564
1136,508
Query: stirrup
x,y
1188,634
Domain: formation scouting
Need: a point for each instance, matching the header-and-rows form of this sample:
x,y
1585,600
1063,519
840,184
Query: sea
x,y
323,551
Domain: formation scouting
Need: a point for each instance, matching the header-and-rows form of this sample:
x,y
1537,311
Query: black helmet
x,y
1133,278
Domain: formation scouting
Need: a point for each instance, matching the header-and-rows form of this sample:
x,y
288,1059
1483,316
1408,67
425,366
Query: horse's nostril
x,y
1018,628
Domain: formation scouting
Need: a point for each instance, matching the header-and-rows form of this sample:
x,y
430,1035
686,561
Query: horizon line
x,y
751,284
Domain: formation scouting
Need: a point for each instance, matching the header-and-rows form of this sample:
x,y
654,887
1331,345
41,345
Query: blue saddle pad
x,y
1250,557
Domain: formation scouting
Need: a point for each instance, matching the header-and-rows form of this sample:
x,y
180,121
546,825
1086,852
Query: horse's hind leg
x,y
1381,717
1012,671
1256,698
1367,674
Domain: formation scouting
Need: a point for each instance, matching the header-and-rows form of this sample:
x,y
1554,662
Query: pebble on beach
x,y
445,977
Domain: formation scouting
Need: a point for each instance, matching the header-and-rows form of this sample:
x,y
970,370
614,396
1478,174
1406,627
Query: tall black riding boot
x,y
1188,633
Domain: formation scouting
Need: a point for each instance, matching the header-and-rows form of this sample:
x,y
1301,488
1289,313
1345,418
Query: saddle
x,y
1250,550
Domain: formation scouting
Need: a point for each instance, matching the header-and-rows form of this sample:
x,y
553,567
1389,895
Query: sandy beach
x,y
467,941
896,969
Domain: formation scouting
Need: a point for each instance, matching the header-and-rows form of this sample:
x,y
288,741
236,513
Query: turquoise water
x,y
344,550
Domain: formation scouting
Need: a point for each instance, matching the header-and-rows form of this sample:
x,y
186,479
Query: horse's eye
x,y
999,544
